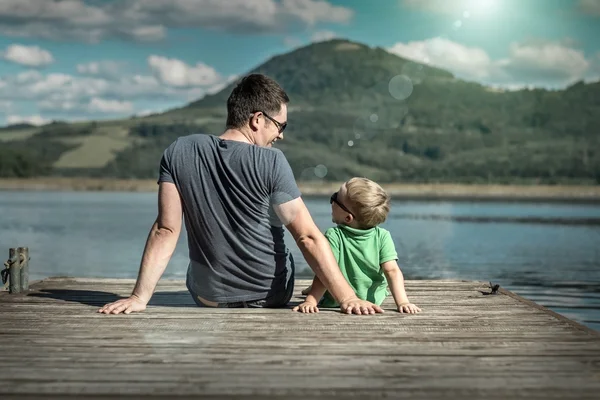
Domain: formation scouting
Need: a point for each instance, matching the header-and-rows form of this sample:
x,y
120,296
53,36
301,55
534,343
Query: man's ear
x,y
254,122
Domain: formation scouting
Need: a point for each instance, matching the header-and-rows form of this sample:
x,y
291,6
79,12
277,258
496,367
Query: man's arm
x,y
160,246
317,252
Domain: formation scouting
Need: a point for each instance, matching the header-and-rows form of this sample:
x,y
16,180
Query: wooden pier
x,y
466,344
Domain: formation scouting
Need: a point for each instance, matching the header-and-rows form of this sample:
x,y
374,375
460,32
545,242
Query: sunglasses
x,y
280,126
334,199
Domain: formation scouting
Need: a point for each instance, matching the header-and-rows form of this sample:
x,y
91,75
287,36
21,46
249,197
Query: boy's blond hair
x,y
368,201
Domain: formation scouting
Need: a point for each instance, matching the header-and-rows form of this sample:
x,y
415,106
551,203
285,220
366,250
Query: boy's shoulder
x,y
384,235
338,231
381,231
333,231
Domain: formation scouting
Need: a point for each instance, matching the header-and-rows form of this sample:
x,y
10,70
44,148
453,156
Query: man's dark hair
x,y
255,92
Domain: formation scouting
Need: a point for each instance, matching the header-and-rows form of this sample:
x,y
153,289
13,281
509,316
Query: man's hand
x,y
159,248
408,308
308,307
126,306
360,307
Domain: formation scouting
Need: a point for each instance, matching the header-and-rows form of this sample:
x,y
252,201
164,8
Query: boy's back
x,y
360,253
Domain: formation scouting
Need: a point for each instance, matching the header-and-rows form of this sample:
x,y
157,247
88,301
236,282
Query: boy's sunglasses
x,y
334,199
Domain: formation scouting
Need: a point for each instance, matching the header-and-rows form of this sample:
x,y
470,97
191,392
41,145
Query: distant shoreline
x,y
408,191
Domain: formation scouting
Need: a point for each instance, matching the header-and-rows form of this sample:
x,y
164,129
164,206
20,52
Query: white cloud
x,y
110,106
292,41
65,96
95,105
221,85
149,20
314,11
549,64
322,36
58,87
29,119
174,72
67,19
590,7
462,60
31,56
28,76
594,71
105,69
65,106
145,113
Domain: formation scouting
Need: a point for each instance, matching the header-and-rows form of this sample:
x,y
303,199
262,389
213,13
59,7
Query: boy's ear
x,y
349,218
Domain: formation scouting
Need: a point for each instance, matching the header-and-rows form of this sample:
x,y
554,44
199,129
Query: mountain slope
x,y
357,110
336,70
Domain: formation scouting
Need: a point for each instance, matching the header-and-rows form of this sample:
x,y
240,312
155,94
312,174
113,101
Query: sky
x,y
104,59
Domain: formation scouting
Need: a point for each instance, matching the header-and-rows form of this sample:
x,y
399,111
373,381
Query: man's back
x,y
236,246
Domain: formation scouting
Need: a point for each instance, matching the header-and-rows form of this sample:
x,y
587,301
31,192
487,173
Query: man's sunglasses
x,y
334,199
280,126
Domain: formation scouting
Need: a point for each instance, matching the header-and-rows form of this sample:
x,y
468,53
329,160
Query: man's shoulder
x,y
273,160
269,152
196,138
212,139
186,141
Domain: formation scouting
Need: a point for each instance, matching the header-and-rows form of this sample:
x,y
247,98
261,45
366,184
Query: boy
x,y
365,252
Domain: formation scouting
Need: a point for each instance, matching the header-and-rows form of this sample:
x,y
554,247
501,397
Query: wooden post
x,y
14,273
24,270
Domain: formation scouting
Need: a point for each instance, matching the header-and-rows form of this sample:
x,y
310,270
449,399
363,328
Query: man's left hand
x,y
359,307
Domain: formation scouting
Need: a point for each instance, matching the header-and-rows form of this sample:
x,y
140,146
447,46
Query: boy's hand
x,y
408,308
308,307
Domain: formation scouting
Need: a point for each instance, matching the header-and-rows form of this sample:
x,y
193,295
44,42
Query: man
x,y
228,189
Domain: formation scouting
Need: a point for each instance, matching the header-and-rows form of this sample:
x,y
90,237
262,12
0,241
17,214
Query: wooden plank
x,y
464,344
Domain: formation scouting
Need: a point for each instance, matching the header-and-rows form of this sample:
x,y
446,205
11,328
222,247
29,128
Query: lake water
x,y
102,234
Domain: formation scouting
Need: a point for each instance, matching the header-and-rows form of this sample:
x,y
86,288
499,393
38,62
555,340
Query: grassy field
x,y
8,135
401,191
94,151
106,139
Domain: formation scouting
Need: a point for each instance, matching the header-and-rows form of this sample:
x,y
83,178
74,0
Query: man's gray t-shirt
x,y
227,188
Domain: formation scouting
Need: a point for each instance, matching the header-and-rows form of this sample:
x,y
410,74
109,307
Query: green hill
x,y
354,110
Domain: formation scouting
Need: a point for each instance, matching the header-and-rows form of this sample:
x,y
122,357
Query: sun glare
x,y
481,6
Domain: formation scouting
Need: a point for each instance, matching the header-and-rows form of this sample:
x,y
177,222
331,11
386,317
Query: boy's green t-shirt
x,y
360,253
